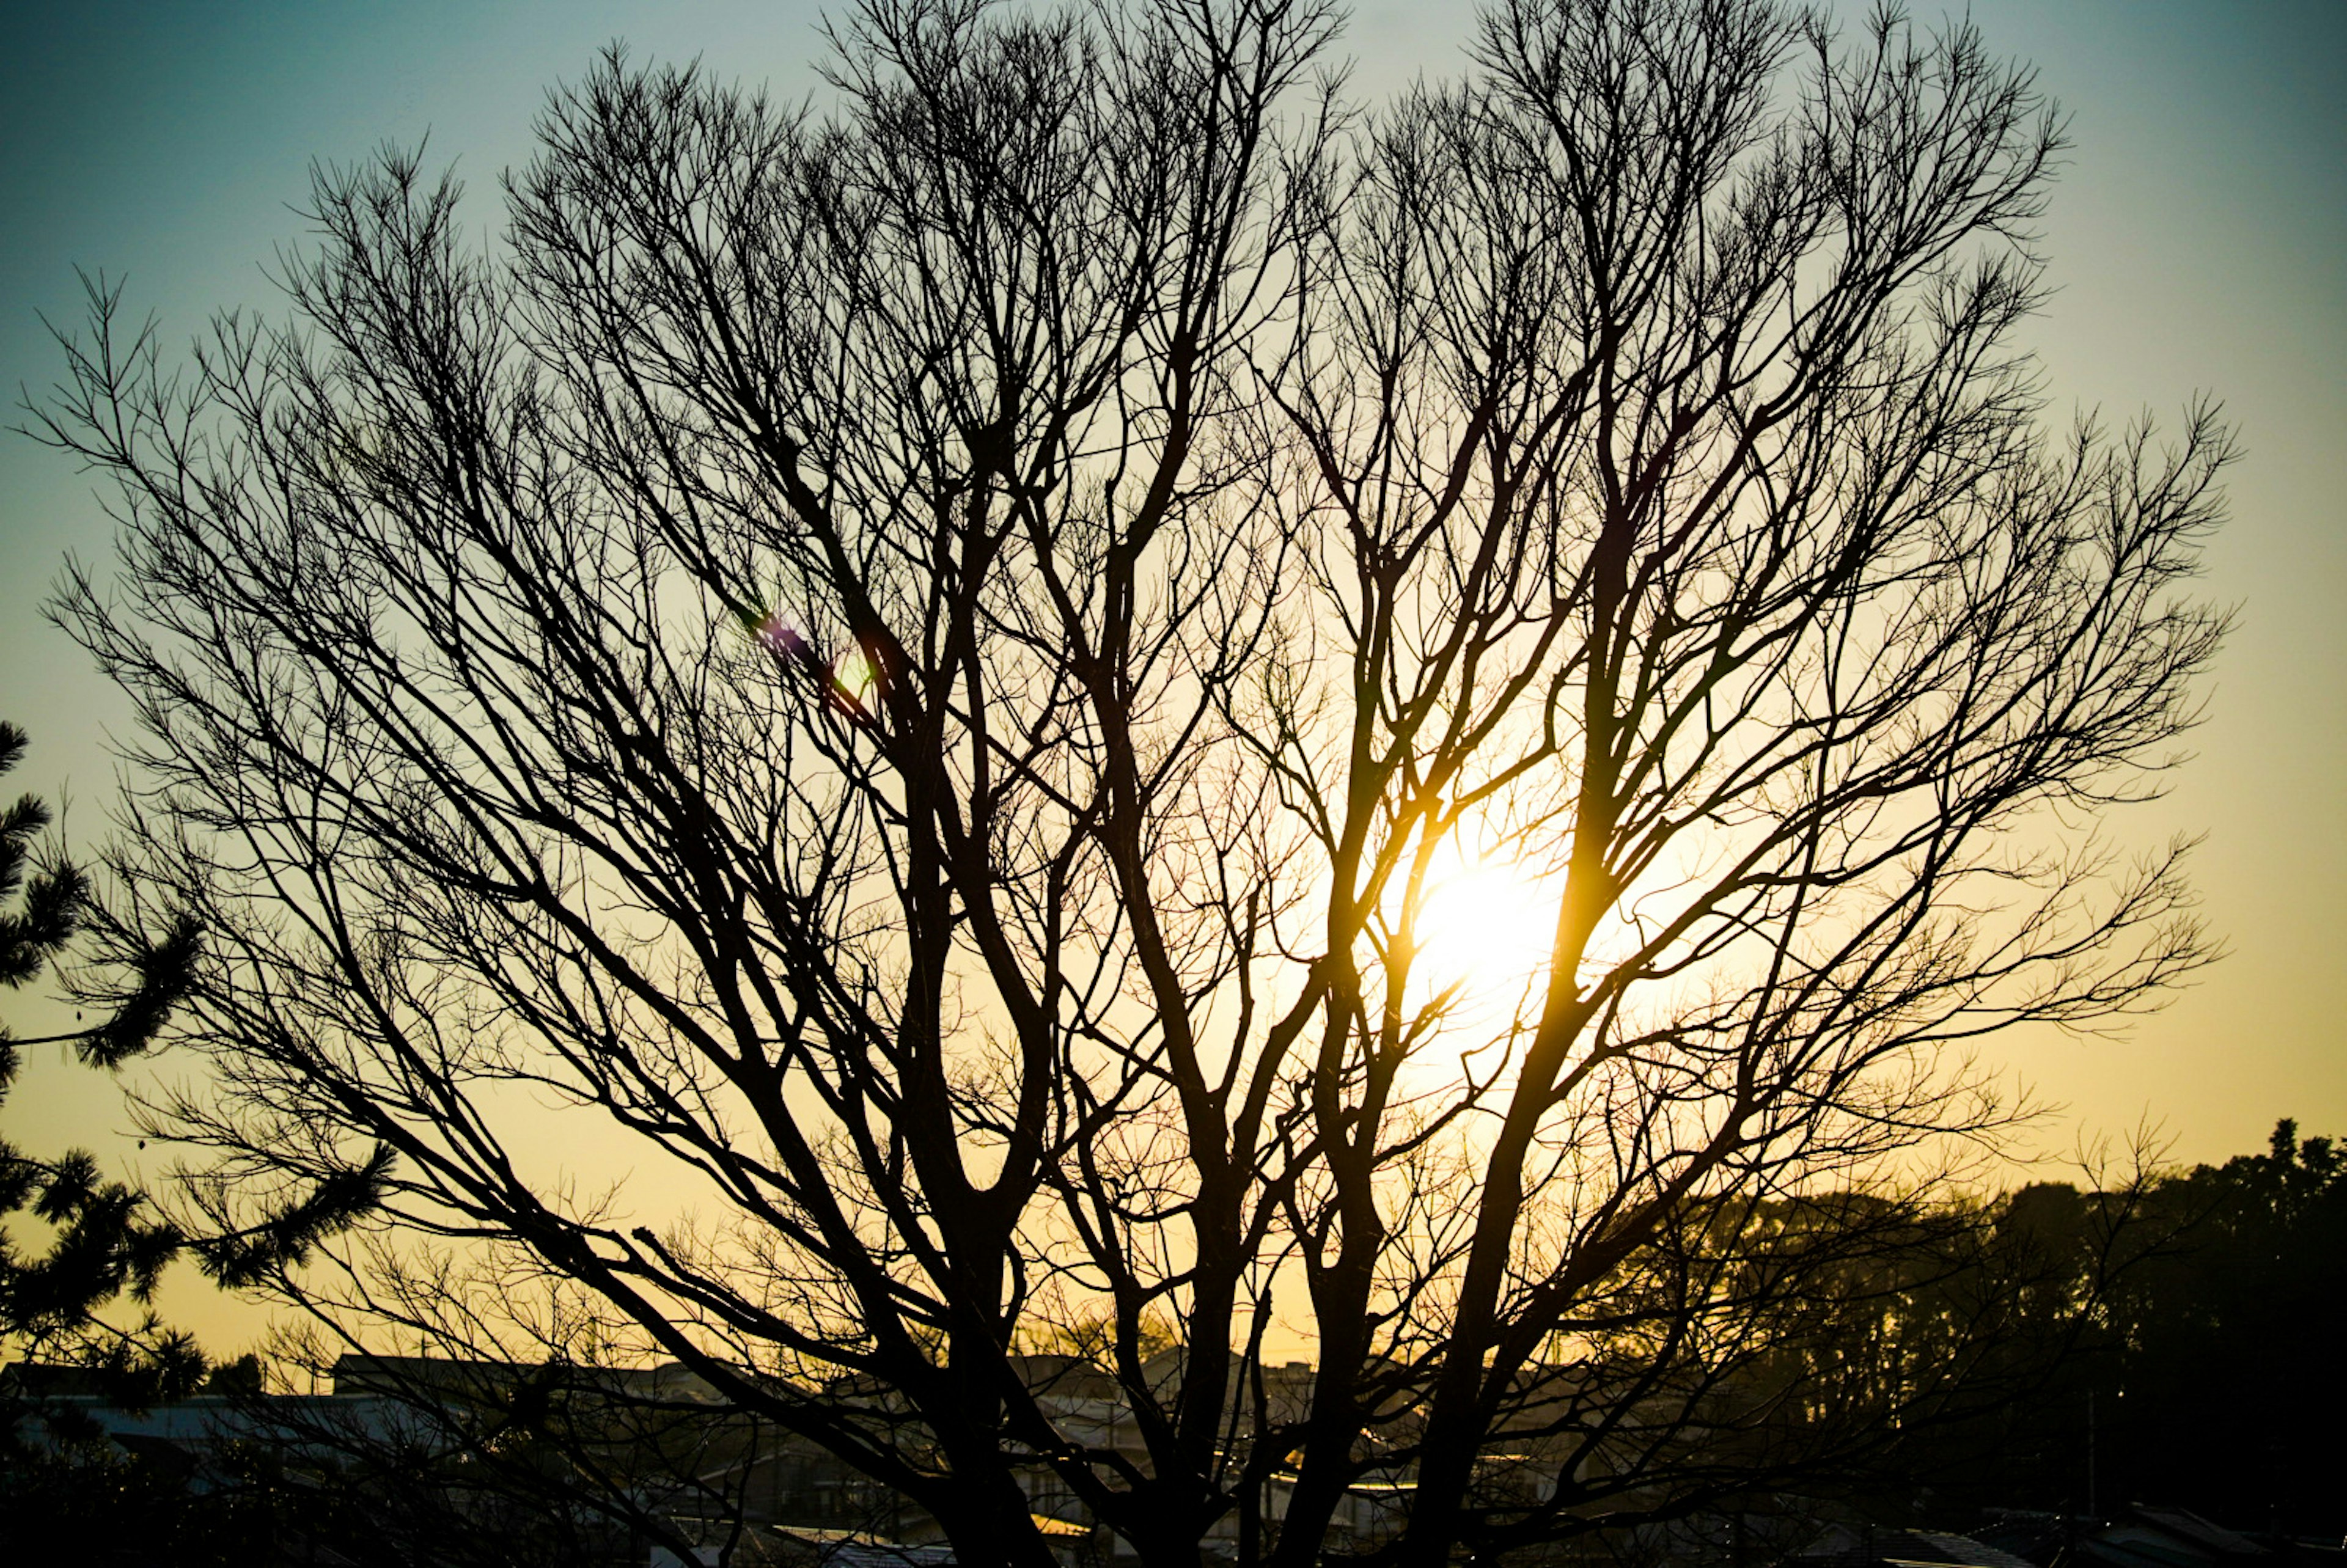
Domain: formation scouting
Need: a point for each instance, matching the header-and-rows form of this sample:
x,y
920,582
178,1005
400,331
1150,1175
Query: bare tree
x,y
942,674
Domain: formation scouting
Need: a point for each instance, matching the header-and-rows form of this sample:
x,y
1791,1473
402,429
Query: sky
x,y
2199,244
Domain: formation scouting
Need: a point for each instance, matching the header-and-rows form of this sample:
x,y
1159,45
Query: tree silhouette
x,y
2230,1330
933,673
107,1241
2179,1301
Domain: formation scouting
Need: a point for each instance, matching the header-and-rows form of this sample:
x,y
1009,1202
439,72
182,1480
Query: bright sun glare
x,y
1485,925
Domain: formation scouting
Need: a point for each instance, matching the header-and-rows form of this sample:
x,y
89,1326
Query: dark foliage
x,y
2177,1343
107,1243
2224,1369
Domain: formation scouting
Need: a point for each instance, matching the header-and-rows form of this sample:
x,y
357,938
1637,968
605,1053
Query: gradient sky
x,y
2199,238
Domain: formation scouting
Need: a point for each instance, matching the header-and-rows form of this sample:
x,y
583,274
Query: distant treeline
x,y
2190,1333
2171,1340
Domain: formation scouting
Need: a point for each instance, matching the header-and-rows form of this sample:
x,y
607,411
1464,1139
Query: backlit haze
x,y
2196,238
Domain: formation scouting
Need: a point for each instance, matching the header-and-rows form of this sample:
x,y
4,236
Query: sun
x,y
1486,925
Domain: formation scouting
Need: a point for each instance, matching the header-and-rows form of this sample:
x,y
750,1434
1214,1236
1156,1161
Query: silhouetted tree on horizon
x,y
2200,1300
926,669
2232,1330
